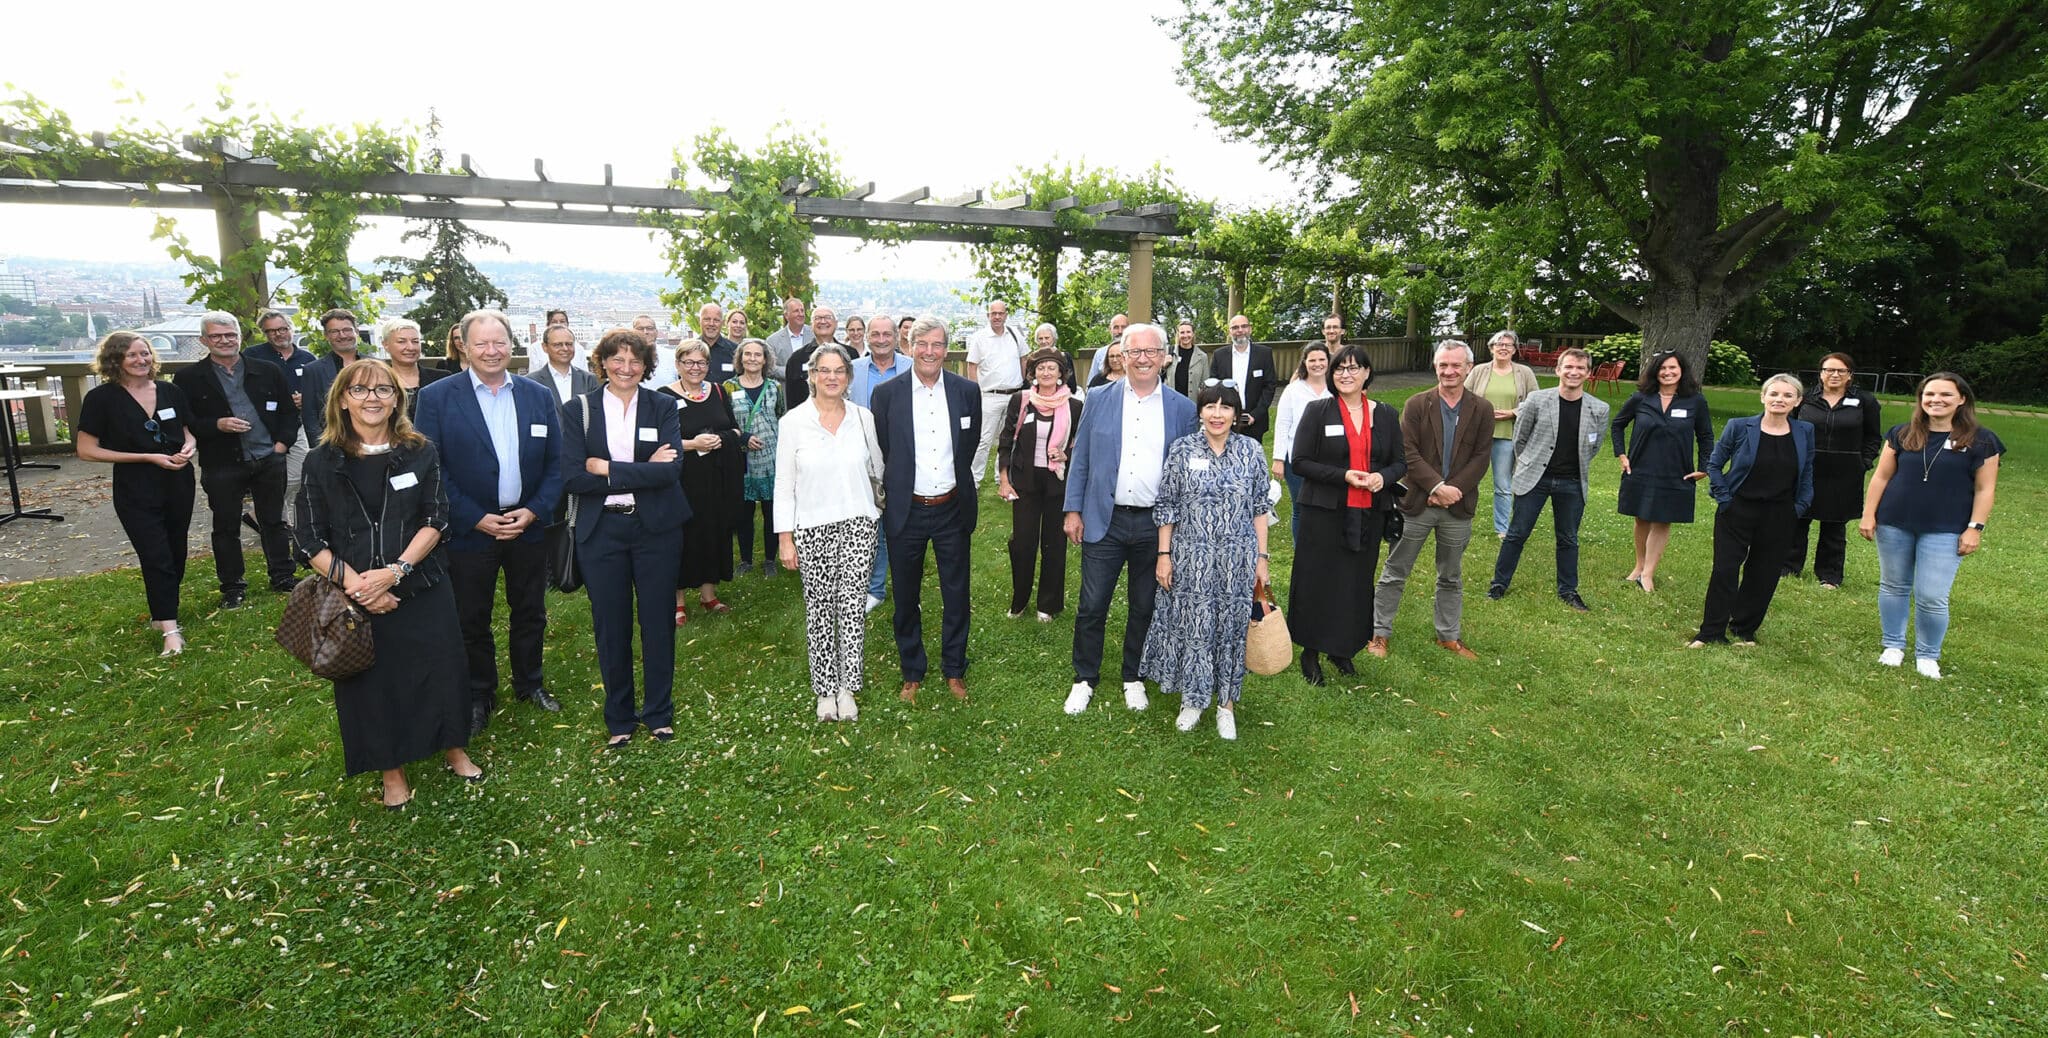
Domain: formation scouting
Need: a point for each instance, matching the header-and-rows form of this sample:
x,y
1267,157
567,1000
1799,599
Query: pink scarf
x,y
1053,409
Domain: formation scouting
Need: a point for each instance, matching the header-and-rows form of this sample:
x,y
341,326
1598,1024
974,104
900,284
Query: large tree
x,y
1666,159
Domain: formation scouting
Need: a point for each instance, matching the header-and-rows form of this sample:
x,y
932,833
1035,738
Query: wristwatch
x,y
1979,527
402,568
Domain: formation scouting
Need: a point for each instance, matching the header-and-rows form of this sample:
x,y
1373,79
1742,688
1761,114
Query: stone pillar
x,y
1140,305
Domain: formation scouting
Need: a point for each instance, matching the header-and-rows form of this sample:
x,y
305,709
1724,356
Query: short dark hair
x,y
338,314
623,339
550,315
267,315
1219,394
1356,353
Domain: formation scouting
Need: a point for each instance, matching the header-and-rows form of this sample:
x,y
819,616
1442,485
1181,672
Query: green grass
x,y
1590,830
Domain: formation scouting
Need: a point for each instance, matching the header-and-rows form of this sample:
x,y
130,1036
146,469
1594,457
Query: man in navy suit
x,y
1112,482
928,425
1250,365
500,440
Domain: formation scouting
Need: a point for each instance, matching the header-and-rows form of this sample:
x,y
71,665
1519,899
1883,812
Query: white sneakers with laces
x,y
1134,695
1077,699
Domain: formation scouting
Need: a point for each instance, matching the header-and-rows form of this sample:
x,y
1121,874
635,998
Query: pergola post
x,y
1235,305
1140,306
235,221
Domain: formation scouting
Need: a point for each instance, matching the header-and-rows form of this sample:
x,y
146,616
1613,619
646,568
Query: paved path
x,y
89,539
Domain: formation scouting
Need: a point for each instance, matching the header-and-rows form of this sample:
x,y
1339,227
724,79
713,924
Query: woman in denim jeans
x,y
1926,509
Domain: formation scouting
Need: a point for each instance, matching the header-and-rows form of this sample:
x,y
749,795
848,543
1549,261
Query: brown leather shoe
x,y
910,691
1458,647
1377,646
959,687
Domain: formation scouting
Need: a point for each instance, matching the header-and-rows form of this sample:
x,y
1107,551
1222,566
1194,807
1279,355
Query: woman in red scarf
x,y
1031,460
1347,451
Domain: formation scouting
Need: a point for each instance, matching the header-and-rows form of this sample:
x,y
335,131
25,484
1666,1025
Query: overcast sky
x,y
907,94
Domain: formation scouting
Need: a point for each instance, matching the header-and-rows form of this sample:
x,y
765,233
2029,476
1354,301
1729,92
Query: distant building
x,y
20,286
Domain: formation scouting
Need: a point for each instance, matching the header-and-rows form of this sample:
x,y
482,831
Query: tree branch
x,y
1737,240
1547,109
1793,237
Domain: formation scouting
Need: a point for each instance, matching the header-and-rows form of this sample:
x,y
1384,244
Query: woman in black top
x,y
1761,475
714,470
1846,442
137,424
402,344
1662,466
1347,451
371,504
1032,449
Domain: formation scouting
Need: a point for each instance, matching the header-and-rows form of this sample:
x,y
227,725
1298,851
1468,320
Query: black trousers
x,y
624,566
475,576
941,528
1131,543
1828,556
226,484
744,530
1036,540
155,509
1750,541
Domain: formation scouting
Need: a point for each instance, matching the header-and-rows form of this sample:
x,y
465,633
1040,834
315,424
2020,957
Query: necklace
x,y
376,448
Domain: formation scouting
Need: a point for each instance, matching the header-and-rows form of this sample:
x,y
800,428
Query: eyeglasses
x,y
695,362
1214,382
222,335
360,391
1834,371
1140,351
1343,369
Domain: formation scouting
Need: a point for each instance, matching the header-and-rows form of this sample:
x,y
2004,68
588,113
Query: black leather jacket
x,y
330,516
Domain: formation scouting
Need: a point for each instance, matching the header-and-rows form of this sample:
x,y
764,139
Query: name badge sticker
x,y
965,420
1333,430
167,413
647,435
405,480
725,367
1680,412
1258,372
270,405
1198,464
300,370
538,430
1030,419
1593,437
1852,402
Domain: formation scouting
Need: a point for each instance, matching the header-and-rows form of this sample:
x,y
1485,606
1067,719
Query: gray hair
x,y
885,319
740,354
392,326
474,316
216,318
1047,327
836,350
1450,344
993,303
1159,337
1511,337
1798,389
925,324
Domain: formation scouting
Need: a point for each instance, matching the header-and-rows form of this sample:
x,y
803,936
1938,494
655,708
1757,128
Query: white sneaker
x,y
1226,723
1188,717
828,708
872,603
1134,695
1929,669
1892,657
1016,614
1077,700
1045,618
848,709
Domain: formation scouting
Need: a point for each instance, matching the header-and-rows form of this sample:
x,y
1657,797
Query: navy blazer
x,y
1098,453
1735,452
449,416
656,486
266,388
894,427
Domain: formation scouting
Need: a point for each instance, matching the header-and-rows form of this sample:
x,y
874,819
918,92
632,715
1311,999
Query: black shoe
x,y
1577,604
540,697
285,586
1496,592
1343,665
1311,668
479,719
231,599
250,522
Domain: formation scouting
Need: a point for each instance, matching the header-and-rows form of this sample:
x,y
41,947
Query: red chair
x,y
1609,372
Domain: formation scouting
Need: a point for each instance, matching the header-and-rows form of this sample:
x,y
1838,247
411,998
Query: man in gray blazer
x,y
560,372
1557,435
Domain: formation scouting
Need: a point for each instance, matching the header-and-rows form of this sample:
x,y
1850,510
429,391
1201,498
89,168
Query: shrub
x,y
2014,370
1727,363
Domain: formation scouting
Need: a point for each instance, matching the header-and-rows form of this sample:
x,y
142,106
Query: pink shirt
x,y
618,435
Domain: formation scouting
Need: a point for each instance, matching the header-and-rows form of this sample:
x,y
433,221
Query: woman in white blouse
x,y
1310,384
825,521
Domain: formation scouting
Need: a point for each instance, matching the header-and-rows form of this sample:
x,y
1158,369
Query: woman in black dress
x,y
713,475
371,502
137,424
1847,438
1348,454
1661,468
1031,469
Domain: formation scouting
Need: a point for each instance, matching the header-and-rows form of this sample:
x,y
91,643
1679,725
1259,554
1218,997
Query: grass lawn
x,y
1590,830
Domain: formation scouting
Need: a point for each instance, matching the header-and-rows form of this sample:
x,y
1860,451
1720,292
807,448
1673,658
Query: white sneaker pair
x,y
1226,721
1082,692
1929,669
838,708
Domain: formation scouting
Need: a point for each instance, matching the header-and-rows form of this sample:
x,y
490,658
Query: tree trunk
x,y
1046,259
1340,297
1236,304
1682,318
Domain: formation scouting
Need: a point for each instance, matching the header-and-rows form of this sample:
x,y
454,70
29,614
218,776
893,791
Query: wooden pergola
x,y
216,175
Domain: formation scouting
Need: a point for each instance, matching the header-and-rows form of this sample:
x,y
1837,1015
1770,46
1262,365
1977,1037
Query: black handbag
x,y
1395,522
563,575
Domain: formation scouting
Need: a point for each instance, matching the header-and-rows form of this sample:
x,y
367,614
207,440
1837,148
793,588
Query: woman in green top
x,y
757,403
1504,384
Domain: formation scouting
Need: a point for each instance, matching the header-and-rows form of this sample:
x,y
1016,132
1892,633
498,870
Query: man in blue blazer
x,y
928,425
500,440
1112,482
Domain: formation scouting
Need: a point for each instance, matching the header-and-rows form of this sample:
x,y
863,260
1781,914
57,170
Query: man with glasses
x,y
338,327
500,443
245,421
292,361
664,370
1250,365
1557,436
1118,459
994,363
1847,438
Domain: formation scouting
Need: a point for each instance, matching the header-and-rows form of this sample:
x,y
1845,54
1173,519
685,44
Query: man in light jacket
x,y
1557,434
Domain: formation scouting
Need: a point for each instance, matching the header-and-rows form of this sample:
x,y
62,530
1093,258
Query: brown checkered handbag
x,y
325,630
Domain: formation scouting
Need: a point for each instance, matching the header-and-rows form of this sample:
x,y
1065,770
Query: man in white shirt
x,y
561,372
783,342
994,356
664,370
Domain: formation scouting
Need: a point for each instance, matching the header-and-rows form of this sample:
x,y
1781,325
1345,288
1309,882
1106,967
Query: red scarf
x,y
1360,441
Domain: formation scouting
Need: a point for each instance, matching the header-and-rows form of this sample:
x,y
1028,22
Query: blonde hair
x,y
113,349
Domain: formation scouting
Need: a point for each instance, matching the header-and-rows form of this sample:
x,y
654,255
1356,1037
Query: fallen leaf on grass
x,y
969,997
1536,928
1114,988
563,925
795,1010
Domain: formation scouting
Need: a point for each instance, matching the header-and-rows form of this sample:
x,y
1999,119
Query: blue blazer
x,y
1098,451
656,486
449,416
894,426
1735,452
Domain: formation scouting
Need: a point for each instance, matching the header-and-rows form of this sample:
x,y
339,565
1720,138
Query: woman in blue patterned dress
x,y
1212,512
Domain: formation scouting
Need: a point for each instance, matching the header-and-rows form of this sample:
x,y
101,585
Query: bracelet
x,y
1166,551
1263,555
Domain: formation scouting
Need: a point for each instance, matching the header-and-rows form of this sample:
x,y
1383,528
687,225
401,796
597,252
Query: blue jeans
x,y
878,581
1293,500
1131,544
1915,569
1503,466
1568,506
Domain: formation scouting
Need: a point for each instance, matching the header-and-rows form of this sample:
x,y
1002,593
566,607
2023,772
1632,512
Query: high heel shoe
x,y
1311,668
174,641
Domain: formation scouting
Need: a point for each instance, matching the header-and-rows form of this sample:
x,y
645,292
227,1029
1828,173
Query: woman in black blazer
x,y
1348,453
620,446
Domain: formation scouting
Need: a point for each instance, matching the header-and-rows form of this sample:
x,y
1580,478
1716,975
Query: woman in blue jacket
x,y
1761,475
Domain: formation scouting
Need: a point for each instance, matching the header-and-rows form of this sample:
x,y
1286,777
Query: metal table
x,y
7,399
13,450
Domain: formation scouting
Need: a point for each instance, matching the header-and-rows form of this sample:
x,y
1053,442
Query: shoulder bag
x,y
325,631
563,575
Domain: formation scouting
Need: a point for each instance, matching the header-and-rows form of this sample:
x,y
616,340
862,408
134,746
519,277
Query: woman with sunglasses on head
x,y
370,514
1926,508
1348,455
136,423
1846,443
1310,383
1662,467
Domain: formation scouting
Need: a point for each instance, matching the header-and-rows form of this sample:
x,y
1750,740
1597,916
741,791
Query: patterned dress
x,y
1196,645
760,414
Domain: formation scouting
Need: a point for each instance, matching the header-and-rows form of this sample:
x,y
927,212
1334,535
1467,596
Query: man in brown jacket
x,y
1448,436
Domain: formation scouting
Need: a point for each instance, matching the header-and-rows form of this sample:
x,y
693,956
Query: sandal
x,y
714,606
174,641
617,742
664,735
400,806
682,615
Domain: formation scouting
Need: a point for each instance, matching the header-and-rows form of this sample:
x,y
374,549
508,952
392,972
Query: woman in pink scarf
x,y
1031,461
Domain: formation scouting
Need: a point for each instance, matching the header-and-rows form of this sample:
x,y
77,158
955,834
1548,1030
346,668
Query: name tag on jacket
x,y
404,480
647,435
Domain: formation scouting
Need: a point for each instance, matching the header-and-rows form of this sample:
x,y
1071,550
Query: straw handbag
x,y
1268,648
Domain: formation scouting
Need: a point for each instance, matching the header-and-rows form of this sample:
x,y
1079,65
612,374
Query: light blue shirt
x,y
866,376
501,417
